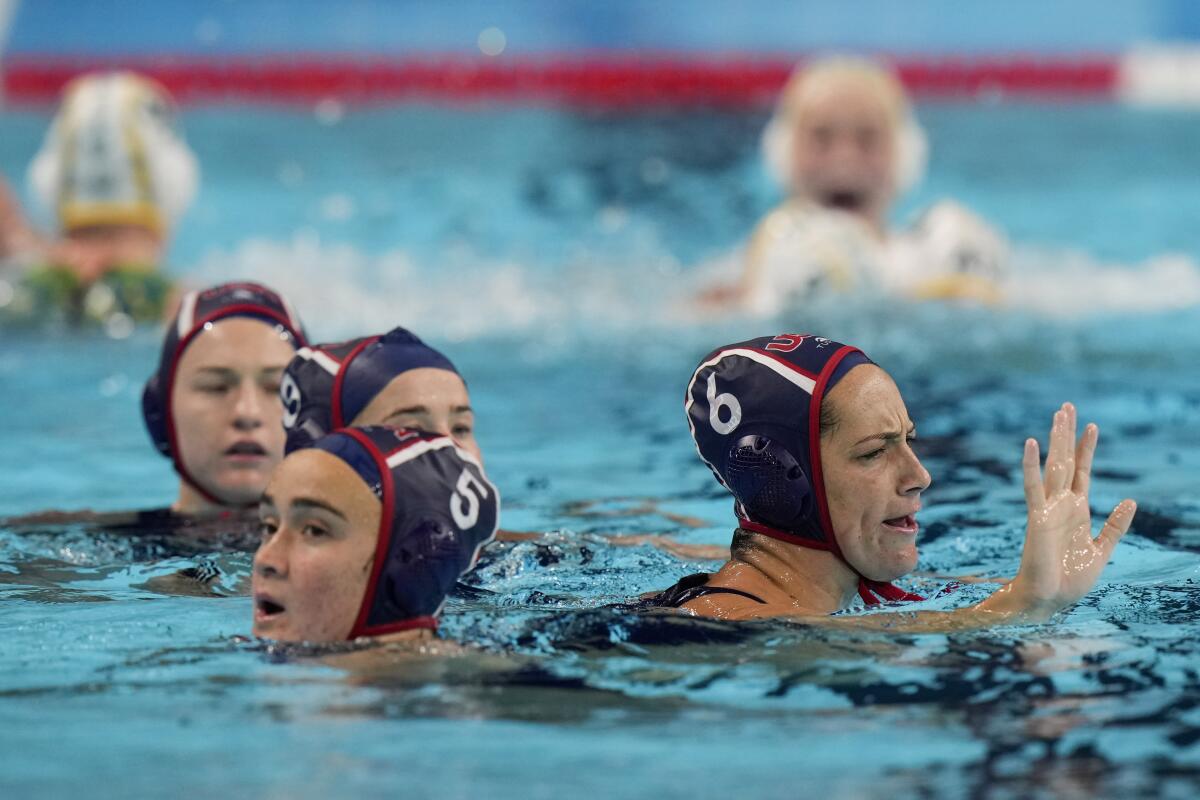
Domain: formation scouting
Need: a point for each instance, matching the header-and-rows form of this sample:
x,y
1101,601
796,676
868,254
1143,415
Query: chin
x,y
891,567
241,492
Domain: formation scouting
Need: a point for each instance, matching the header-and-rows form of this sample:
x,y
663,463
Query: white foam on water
x,y
340,291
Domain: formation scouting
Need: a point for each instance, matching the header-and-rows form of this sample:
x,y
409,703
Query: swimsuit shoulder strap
x,y
692,587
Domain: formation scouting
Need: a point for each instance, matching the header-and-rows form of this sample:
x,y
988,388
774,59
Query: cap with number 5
x,y
439,510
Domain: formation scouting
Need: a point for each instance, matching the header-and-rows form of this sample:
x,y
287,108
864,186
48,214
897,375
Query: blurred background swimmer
x,y
115,175
365,532
844,144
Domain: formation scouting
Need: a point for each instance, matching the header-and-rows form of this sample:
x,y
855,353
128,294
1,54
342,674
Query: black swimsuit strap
x,y
694,586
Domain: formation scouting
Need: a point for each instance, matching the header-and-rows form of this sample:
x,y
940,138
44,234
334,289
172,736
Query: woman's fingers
x,y
1084,451
1035,496
1116,526
1060,455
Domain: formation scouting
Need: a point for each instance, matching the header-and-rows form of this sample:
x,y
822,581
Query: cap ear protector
x,y
769,482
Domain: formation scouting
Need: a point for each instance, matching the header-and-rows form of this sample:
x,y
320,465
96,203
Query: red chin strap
x,y
873,593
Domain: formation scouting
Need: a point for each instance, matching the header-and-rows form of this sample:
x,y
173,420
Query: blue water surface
x,y
552,253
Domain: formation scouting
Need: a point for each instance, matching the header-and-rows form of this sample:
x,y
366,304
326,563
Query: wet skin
x,y
319,527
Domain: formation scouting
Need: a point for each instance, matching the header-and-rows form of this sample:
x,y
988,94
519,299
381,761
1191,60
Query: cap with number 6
x,y
754,411
439,510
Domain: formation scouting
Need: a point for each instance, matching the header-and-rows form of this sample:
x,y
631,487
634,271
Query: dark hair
x,y
743,540
829,418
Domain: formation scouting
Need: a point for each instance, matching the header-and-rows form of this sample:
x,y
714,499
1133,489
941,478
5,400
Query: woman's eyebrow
x,y
409,410
221,372
885,436
312,502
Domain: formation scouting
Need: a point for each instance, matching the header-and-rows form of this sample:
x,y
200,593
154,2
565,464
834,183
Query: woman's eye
x,y
266,529
314,531
872,455
461,431
213,388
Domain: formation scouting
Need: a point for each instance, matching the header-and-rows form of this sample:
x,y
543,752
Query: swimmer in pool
x,y
364,532
212,406
116,175
844,144
814,441
395,379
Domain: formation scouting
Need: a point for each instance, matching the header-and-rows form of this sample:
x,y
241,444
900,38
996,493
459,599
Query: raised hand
x,y
1061,560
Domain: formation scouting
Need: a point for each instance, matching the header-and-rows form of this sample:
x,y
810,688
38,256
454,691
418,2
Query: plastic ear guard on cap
x,y
439,510
769,482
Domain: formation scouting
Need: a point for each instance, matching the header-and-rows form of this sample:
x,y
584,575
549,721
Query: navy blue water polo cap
x,y
326,386
197,313
439,510
754,410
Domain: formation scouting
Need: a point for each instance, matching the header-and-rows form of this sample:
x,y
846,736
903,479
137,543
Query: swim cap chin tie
x,y
326,386
196,311
439,510
754,410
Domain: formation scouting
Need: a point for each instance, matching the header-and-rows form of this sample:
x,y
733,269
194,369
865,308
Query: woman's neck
x,y
194,504
815,580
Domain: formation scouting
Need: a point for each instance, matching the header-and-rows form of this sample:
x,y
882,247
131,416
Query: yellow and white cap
x,y
114,156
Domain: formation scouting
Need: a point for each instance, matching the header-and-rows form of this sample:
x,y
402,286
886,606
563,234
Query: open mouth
x,y
905,524
265,608
246,449
846,200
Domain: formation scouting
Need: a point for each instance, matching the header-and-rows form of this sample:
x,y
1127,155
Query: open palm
x,y
1061,560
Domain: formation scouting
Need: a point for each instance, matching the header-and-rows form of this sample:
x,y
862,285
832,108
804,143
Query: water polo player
x,y
116,175
844,143
814,441
393,379
365,531
212,406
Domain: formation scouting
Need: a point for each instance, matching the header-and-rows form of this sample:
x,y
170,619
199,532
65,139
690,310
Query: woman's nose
x,y
916,478
248,411
270,560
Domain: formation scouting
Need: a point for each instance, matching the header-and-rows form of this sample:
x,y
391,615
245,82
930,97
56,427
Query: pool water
x,y
551,252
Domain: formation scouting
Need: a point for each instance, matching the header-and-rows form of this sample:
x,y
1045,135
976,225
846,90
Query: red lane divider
x,y
604,80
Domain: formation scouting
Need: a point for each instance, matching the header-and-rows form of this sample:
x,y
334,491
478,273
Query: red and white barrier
x,y
1149,75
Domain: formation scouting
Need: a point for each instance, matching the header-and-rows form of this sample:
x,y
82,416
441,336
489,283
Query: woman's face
x,y
428,399
320,525
226,410
873,479
844,149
